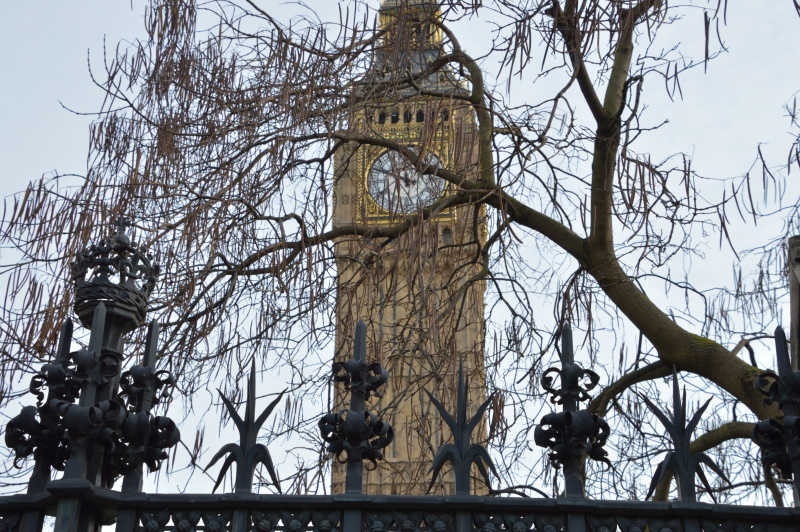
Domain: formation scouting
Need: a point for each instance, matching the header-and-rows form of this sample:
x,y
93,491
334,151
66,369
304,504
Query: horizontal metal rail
x,y
396,512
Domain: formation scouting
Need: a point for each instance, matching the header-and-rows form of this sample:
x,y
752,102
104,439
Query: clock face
x,y
396,186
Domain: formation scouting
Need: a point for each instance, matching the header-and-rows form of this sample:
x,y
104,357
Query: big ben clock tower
x,y
412,273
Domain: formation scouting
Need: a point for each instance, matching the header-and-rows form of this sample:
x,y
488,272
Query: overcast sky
x,y
44,46
43,58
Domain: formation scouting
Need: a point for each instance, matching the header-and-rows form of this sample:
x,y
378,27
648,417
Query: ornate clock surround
x,y
403,124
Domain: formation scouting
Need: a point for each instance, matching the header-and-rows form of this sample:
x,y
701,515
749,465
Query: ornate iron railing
x,y
94,424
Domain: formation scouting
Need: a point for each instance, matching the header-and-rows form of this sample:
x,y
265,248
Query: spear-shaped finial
x,y
680,459
247,454
460,453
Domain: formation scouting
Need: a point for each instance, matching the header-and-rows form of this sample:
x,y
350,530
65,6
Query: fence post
x,y
354,476
70,516
143,376
573,431
573,477
33,520
356,432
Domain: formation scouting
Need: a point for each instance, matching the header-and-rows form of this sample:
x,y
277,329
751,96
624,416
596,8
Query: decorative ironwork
x,y
680,460
780,442
355,431
91,422
571,388
82,408
405,520
362,435
460,453
326,521
42,438
358,376
154,521
247,454
264,522
186,521
143,438
126,299
217,521
572,431
438,522
518,522
487,522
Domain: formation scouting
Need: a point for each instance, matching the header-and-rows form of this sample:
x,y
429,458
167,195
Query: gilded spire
x,y
387,5
416,12
412,43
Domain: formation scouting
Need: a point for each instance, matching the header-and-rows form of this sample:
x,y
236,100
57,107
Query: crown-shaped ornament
x,y
120,274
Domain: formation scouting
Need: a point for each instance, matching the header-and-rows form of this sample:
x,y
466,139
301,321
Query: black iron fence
x,y
93,424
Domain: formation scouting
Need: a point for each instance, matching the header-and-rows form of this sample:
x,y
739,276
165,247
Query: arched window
x,y
407,116
395,117
382,118
420,115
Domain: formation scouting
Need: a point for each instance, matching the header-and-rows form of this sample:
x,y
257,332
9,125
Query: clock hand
x,y
406,179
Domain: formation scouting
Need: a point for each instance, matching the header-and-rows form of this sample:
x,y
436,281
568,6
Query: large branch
x,y
485,124
675,345
623,54
567,26
599,404
609,128
556,232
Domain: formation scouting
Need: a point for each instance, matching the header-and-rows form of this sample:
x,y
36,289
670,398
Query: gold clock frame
x,y
367,210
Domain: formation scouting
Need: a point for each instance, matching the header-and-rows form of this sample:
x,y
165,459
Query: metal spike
x,y
676,400
462,401
784,366
360,348
567,353
64,341
460,453
151,345
679,459
250,407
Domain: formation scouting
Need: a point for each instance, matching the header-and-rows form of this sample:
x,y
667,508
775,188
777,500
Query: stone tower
x,y
418,291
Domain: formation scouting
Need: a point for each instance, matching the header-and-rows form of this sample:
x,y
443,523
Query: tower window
x,y
447,236
395,117
420,116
